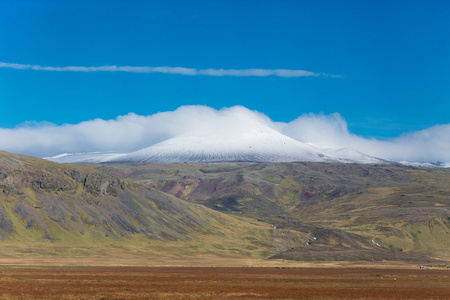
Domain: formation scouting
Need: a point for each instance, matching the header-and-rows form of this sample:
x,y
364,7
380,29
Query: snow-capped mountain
x,y
256,142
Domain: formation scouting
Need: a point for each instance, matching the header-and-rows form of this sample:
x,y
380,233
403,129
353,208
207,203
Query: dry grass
x,y
222,283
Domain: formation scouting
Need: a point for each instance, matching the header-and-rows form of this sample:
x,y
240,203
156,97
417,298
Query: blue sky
x,y
391,57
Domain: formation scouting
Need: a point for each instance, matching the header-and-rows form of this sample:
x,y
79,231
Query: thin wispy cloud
x,y
171,70
133,132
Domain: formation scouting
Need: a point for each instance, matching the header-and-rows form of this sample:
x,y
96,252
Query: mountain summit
x,y
255,142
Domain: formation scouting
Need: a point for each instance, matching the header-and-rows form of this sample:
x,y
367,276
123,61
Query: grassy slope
x,y
345,206
54,210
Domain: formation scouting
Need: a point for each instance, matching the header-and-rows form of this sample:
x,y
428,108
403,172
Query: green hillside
x,y
63,210
354,212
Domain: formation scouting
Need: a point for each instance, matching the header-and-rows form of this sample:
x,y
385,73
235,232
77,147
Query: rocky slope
x,y
49,203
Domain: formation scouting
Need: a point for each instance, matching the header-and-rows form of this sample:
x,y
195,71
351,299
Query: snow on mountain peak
x,y
251,141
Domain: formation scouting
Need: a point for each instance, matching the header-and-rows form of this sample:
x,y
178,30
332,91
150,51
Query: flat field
x,y
222,283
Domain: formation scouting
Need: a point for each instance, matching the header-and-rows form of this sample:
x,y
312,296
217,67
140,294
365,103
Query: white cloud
x,y
330,131
169,70
133,132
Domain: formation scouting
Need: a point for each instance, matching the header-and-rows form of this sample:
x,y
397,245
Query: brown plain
x,y
222,283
